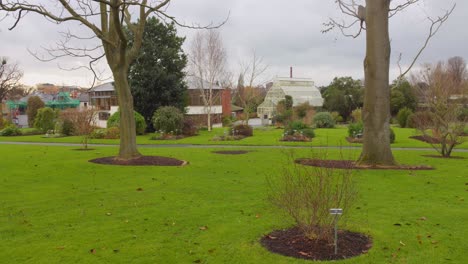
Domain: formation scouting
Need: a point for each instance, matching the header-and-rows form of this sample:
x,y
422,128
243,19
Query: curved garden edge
x,y
141,161
292,243
350,164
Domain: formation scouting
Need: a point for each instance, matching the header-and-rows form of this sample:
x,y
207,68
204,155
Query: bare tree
x,y
106,20
207,63
373,18
10,74
84,122
442,124
249,93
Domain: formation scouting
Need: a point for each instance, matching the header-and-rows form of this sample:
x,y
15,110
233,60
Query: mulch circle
x,y
231,152
442,157
354,140
141,161
426,139
82,149
293,243
350,164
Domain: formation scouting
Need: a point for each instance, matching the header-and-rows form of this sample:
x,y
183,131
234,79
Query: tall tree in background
x,y
156,77
373,18
402,95
207,65
10,74
344,94
106,20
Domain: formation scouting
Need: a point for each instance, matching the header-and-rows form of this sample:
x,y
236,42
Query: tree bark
x,y
376,111
128,146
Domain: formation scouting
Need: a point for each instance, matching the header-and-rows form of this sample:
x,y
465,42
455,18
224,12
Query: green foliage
x,y
34,104
297,125
355,129
356,115
156,77
67,128
324,120
168,119
10,130
241,130
392,136
336,116
227,121
403,116
105,133
45,119
343,95
302,110
401,96
463,115
288,102
308,132
140,123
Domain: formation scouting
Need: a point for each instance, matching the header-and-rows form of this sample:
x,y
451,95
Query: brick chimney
x,y
226,102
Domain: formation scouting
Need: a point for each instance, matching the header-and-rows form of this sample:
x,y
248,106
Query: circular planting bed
x,y
231,152
141,161
293,243
349,164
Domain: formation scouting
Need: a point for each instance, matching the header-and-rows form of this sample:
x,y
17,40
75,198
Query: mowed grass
x,y
56,207
262,137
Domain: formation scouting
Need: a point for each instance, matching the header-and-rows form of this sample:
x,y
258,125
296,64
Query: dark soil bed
x,y
292,243
349,164
442,157
83,149
231,152
141,161
426,139
354,140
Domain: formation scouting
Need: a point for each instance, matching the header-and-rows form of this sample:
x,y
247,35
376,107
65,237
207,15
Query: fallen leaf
x,y
434,242
303,253
203,227
422,218
403,244
257,216
271,237
108,214
92,251
61,247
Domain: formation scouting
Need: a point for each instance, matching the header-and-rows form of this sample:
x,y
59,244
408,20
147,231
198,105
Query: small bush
x,y
392,136
10,130
99,133
355,129
67,128
356,115
241,130
45,119
168,119
140,123
308,132
403,115
337,117
324,120
306,194
189,128
227,121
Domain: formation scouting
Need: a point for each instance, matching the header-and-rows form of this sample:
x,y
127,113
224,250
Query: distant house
x,y
104,99
302,90
197,110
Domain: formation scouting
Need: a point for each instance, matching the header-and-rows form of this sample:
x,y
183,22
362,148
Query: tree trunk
x,y
128,147
376,148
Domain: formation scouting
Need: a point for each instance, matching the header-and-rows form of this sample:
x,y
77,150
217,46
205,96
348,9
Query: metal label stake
x,y
336,212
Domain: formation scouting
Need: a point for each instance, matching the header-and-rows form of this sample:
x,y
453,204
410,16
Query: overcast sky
x,y
283,33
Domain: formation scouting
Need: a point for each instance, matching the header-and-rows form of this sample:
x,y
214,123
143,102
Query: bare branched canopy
x,y
10,74
107,21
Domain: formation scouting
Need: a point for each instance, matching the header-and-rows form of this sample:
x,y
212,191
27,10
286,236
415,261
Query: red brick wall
x,y
226,102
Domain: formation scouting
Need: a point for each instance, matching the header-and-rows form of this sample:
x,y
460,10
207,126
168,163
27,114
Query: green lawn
x,y
262,137
56,207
